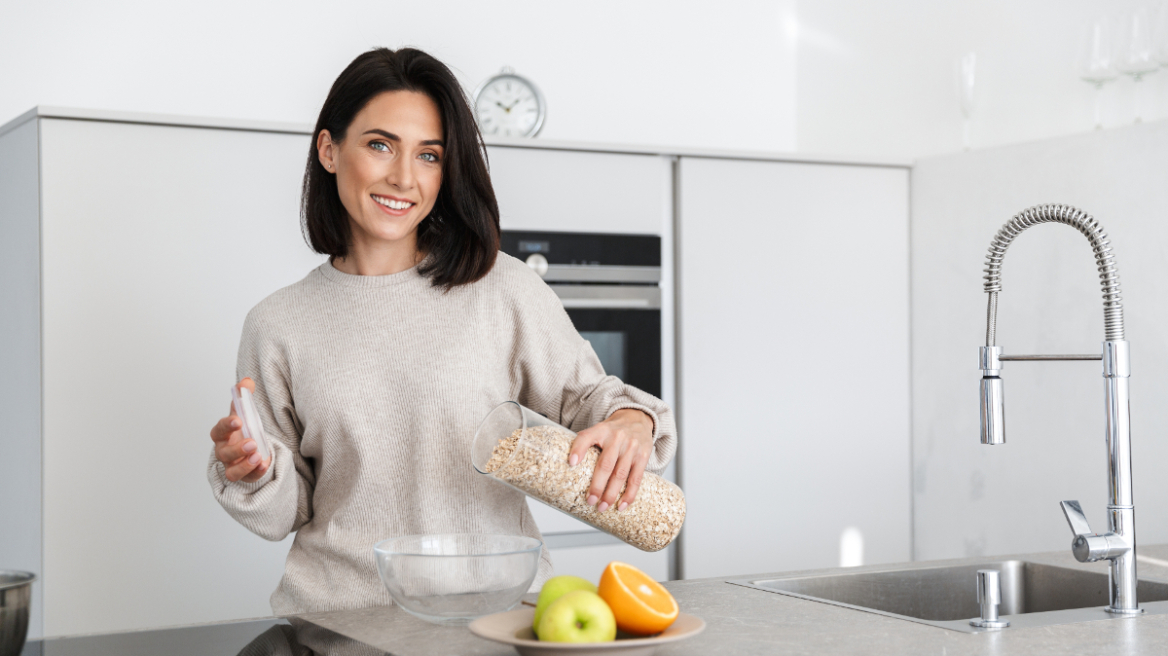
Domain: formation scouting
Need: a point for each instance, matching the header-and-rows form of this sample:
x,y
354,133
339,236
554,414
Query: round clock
x,y
509,105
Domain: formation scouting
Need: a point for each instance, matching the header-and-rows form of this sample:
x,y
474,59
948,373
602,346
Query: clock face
x,y
509,106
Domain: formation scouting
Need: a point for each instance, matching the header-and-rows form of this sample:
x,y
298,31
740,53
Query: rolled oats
x,y
538,465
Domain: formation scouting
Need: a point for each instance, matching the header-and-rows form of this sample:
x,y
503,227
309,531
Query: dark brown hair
x,y
461,234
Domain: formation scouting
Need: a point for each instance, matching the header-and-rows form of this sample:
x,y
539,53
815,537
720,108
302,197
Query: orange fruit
x,y
640,604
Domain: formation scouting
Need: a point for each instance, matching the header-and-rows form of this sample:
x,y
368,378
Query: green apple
x,y
556,587
579,616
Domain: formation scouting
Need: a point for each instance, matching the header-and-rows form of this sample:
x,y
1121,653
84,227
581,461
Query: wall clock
x,y
509,105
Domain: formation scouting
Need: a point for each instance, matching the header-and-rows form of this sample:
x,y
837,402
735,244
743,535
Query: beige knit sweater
x,y
371,388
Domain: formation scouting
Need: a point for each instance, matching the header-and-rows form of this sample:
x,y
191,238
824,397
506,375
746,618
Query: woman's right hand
x,y
237,454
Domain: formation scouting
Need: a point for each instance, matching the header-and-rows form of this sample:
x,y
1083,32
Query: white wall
x,y
972,499
647,72
845,77
880,78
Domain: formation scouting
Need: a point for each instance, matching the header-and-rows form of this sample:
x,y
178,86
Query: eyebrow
x,y
393,137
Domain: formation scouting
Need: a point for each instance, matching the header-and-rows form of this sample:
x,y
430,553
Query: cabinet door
x,y
794,393
576,191
156,243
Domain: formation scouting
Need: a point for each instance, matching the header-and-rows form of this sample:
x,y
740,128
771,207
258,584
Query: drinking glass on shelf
x,y
965,80
1136,53
1097,63
1160,35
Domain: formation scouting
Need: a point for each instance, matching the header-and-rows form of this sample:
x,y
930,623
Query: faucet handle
x,y
1076,518
1089,546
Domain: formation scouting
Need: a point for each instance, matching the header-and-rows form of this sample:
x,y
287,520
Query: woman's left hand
x,y
626,442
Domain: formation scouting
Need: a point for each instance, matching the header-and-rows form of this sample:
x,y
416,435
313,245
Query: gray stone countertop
x,y
741,620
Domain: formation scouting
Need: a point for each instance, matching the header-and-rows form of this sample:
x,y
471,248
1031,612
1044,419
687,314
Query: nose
x,y
401,173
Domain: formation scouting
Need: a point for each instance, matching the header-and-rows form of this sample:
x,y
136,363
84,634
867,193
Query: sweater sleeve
x,y
280,502
559,375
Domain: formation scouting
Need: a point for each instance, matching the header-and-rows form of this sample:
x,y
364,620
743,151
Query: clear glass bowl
x,y
458,577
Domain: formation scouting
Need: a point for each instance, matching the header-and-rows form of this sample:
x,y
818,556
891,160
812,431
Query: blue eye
x,y
375,146
431,157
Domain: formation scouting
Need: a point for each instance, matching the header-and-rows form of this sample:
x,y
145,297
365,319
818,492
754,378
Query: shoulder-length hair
x,y
461,234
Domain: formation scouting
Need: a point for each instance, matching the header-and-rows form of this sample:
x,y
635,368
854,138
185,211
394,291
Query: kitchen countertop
x,y
742,620
739,620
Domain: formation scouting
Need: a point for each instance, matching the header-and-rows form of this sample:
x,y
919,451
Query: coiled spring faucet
x,y
1118,545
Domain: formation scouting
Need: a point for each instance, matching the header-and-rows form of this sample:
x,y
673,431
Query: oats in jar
x,y
538,465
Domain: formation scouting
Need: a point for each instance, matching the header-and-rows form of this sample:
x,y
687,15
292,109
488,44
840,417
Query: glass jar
x,y
528,452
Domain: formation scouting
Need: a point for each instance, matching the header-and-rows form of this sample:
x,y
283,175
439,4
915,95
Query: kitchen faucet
x,y
1118,545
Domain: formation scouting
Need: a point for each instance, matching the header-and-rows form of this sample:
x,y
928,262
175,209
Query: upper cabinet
x,y
794,385
576,191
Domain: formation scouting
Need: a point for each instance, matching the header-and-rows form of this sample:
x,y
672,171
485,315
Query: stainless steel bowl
x,y
15,595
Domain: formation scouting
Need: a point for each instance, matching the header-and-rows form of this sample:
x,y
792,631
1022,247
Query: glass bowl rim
x,y
381,550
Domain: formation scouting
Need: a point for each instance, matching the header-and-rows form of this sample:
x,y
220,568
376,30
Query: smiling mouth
x,y
392,203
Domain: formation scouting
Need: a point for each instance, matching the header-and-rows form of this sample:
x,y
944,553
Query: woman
x,y
372,373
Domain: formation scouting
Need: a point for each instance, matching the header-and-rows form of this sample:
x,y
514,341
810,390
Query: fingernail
x,y
592,499
254,459
602,507
249,446
573,460
235,423
623,505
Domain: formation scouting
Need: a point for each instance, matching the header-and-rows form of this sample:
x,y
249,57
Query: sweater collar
x,y
350,280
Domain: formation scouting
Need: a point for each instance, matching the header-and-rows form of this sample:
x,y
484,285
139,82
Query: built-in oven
x,y
610,286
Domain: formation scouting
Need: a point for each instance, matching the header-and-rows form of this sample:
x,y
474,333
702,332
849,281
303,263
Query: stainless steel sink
x,y
1033,594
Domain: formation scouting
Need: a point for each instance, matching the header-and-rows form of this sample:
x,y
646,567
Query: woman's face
x,y
388,168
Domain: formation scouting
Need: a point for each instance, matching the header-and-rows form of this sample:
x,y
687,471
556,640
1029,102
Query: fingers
x,y
234,450
223,428
238,455
609,455
620,475
258,472
246,469
634,484
621,466
585,440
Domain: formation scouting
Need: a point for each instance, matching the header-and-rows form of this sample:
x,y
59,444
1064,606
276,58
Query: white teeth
x,y
393,204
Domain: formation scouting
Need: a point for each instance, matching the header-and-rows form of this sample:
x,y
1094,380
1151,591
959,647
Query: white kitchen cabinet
x,y
793,326
20,364
575,191
152,243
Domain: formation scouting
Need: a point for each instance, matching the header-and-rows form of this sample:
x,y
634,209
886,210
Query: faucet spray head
x,y
993,412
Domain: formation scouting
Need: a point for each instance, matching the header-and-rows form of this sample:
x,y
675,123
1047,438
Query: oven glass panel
x,y
628,343
610,348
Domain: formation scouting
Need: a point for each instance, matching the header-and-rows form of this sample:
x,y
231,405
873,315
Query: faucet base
x,y
988,624
1124,611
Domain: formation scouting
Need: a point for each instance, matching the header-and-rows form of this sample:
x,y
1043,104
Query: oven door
x,y
623,324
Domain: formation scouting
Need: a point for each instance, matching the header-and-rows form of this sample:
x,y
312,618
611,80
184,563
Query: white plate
x,y
514,628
